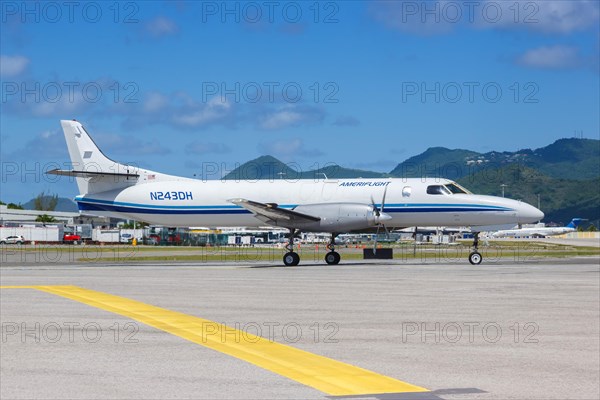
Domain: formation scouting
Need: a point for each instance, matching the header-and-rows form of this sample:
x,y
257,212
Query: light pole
x,y
503,186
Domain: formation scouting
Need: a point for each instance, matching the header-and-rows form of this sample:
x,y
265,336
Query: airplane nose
x,y
528,213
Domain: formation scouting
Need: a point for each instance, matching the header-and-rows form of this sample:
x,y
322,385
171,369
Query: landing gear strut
x,y
475,257
291,258
332,257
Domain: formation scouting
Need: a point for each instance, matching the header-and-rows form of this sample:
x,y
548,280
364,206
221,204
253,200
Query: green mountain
x,y
64,204
565,158
268,167
568,158
437,161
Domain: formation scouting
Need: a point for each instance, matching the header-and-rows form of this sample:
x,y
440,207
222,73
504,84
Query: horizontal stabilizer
x,y
90,174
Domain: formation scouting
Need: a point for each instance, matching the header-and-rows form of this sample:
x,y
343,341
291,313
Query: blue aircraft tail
x,y
574,223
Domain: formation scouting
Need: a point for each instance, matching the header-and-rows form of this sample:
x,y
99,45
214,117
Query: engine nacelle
x,y
338,217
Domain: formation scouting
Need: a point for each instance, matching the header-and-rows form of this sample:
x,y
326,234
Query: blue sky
x,y
179,86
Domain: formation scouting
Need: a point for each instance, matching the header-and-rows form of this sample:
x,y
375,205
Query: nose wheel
x,y
475,258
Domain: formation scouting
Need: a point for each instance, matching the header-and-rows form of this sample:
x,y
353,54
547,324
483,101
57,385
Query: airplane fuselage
x,y
206,203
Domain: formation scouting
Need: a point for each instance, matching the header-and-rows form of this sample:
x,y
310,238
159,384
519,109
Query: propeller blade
x,y
375,209
383,199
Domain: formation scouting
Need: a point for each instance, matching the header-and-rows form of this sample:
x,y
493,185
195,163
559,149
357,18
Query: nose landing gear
x,y
475,257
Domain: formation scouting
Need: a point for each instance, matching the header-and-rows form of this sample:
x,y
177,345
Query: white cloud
x,y
551,57
161,26
12,65
203,114
290,116
280,119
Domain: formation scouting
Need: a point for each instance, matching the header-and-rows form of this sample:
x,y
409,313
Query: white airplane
x,y
329,205
540,231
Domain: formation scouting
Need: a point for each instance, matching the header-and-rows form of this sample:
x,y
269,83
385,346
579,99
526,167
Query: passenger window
x,y
435,189
406,190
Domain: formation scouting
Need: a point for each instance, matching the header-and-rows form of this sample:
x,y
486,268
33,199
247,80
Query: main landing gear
x,y
475,257
291,258
332,257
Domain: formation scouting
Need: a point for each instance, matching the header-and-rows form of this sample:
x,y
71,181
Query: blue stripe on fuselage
x,y
125,207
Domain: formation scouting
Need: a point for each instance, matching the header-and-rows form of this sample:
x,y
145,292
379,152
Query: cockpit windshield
x,y
449,189
455,188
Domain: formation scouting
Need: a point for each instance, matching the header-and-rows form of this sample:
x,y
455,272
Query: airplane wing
x,y
89,174
273,214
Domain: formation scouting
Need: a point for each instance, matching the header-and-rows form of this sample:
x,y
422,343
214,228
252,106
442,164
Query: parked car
x,y
13,240
71,238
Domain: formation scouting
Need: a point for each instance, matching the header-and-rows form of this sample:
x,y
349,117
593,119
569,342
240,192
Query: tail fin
x,y
574,223
94,171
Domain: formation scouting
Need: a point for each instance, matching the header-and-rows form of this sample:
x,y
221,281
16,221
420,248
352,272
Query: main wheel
x,y
475,258
332,258
291,259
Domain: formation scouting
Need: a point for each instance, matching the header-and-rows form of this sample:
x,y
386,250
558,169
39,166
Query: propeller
x,y
379,218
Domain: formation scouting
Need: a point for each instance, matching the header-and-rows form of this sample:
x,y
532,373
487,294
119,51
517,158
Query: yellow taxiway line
x,y
325,374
